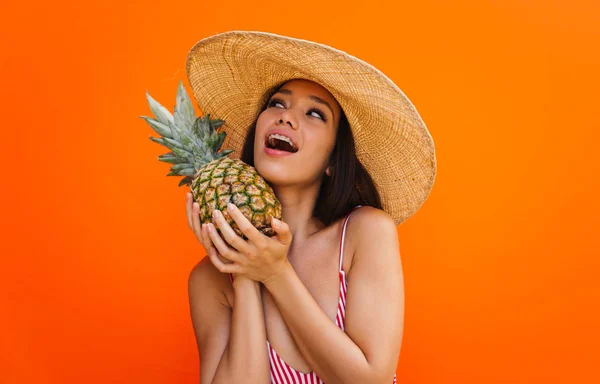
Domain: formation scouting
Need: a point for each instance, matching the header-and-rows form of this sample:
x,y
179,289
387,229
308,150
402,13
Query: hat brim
x,y
231,72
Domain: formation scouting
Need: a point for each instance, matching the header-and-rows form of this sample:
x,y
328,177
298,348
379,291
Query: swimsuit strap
x,y
343,236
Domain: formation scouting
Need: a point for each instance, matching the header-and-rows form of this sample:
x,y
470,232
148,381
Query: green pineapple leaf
x,y
216,123
187,141
184,110
157,140
159,127
172,142
220,139
187,172
161,113
211,128
166,155
185,181
180,166
181,153
170,158
201,159
223,153
200,129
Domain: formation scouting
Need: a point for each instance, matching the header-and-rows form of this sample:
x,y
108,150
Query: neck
x,y
297,205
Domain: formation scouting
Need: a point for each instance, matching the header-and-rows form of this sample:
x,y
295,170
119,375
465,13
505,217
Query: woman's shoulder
x,y
367,221
367,229
205,279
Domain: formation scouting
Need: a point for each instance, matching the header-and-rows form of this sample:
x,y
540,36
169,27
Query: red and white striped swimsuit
x,y
281,372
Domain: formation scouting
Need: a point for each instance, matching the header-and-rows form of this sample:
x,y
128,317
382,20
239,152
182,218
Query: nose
x,y
287,118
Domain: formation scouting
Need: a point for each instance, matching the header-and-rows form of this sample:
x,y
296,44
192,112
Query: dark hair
x,y
349,184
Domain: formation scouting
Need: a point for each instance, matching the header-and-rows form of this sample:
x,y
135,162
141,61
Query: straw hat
x,y
231,72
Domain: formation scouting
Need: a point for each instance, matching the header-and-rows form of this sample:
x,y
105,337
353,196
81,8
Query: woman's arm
x,y
368,352
231,342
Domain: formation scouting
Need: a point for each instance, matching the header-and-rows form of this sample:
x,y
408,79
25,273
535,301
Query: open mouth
x,y
281,143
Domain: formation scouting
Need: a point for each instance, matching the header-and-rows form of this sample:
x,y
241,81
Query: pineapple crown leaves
x,y
193,142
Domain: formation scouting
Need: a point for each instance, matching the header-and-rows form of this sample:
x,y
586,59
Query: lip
x,y
282,132
276,152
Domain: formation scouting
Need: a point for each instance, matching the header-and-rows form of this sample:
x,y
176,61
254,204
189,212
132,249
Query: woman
x,y
323,300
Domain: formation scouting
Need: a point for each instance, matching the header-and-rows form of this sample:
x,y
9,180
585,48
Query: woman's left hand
x,y
260,257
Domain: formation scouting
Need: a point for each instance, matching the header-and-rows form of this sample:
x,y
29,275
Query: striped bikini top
x,y
281,372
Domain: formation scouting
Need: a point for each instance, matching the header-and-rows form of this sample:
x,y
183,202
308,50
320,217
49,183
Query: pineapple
x,y
215,180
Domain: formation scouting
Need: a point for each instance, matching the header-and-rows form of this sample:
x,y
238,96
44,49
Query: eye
x,y
318,112
274,102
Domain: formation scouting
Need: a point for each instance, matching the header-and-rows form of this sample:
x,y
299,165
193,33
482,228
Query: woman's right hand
x,y
201,231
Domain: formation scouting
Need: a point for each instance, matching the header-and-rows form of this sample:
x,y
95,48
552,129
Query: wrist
x,y
243,282
279,275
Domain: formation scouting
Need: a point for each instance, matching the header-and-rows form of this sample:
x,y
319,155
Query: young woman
x,y
323,300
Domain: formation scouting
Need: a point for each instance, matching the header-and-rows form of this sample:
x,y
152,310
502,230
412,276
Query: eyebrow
x,y
312,97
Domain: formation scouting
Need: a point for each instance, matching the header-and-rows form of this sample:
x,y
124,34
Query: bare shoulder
x,y
202,270
373,231
205,280
372,220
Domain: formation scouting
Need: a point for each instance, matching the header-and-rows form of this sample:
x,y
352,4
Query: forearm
x,y
245,358
330,352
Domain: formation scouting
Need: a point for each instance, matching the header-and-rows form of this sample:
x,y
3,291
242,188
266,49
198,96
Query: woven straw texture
x,y
230,73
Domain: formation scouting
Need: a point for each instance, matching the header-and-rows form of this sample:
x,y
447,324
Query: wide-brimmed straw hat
x,y
230,73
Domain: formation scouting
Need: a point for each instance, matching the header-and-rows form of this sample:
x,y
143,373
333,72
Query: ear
x,y
328,171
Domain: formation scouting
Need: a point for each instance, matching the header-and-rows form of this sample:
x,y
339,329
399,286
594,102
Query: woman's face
x,y
307,114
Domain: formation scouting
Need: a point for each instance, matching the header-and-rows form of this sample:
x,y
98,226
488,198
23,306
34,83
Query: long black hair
x,y
349,184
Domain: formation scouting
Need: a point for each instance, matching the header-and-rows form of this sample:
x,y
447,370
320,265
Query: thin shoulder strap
x,y
344,234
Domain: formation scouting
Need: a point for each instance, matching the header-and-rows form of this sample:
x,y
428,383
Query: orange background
x,y
500,264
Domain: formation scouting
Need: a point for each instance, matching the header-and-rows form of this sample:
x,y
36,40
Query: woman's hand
x,y
201,231
260,258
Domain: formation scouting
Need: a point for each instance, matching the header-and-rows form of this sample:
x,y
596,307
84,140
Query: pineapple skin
x,y
227,180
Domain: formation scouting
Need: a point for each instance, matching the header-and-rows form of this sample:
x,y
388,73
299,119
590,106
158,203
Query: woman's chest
x,y
318,270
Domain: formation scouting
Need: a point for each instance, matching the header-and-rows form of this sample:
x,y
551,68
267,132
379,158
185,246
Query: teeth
x,y
281,137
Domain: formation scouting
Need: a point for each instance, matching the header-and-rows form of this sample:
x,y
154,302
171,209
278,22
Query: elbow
x,y
379,379
244,380
366,374
378,376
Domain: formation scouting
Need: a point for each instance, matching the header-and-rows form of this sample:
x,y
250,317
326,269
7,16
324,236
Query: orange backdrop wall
x,y
500,264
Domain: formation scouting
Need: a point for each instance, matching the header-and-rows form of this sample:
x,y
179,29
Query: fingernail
x,y
276,222
230,207
216,213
